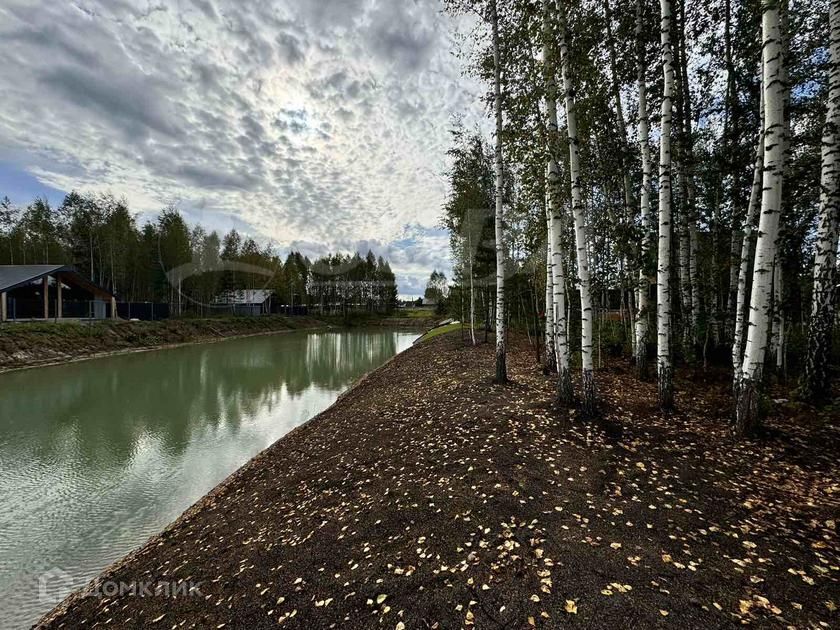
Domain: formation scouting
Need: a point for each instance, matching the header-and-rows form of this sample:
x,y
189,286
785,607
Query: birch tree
x,y
746,256
550,351
825,258
471,254
642,292
501,322
747,406
663,270
581,239
565,390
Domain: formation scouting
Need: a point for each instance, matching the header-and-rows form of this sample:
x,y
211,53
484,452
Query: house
x,y
52,292
245,301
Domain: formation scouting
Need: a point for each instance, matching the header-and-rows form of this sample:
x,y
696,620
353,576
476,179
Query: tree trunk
x,y
663,271
686,287
747,408
550,350
779,317
643,297
565,391
501,331
472,276
581,244
734,259
686,183
730,139
625,272
746,258
815,383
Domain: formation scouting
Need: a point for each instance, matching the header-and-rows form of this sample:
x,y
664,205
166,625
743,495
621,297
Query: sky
x,y
315,125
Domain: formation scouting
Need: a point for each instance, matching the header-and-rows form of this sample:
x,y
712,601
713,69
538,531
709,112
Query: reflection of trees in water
x,y
107,405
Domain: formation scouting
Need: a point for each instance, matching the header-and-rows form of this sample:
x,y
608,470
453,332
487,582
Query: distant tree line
x,y
193,270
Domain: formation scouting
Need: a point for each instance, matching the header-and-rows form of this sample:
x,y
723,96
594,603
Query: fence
x,y
33,308
298,310
146,311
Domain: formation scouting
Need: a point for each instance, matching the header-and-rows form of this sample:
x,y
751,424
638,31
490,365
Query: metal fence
x,y
146,311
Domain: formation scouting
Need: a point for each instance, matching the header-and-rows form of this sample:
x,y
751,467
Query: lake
x,y
97,456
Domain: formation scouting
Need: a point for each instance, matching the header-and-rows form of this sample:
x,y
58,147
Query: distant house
x,y
52,292
429,302
245,301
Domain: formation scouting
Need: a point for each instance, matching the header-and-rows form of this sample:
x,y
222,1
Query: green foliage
x,y
442,330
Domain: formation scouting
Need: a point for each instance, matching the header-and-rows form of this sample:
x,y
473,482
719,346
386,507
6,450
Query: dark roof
x,y
15,276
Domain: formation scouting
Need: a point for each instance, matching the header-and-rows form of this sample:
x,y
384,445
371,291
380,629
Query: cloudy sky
x,y
312,124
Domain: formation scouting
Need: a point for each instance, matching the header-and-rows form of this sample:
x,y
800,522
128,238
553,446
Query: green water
x,y
97,456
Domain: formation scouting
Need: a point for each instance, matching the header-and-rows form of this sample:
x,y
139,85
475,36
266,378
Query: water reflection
x,y
97,456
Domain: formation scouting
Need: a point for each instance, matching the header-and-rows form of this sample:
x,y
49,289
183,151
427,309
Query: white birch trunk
x,y
642,291
663,270
778,319
501,324
558,278
561,326
581,240
746,258
692,264
747,408
472,277
825,258
550,350
686,288
550,330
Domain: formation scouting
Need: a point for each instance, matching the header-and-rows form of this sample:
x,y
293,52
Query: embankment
x,y
428,497
33,344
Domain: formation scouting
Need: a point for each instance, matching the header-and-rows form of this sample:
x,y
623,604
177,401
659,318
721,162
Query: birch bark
x,y
825,259
501,322
747,407
746,257
663,271
642,292
550,350
471,254
565,390
581,238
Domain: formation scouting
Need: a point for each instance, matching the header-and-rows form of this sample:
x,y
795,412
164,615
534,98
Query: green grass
x,y
441,330
416,313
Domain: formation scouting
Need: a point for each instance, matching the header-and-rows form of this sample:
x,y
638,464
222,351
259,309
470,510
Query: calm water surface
x,y
97,456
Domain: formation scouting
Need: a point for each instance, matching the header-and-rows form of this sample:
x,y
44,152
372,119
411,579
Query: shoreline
x,y
427,497
309,325
168,346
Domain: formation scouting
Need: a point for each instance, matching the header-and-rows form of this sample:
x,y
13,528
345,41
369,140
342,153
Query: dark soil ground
x,y
430,498
38,343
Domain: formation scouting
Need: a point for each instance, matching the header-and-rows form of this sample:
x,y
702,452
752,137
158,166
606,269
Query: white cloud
x,y
316,121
